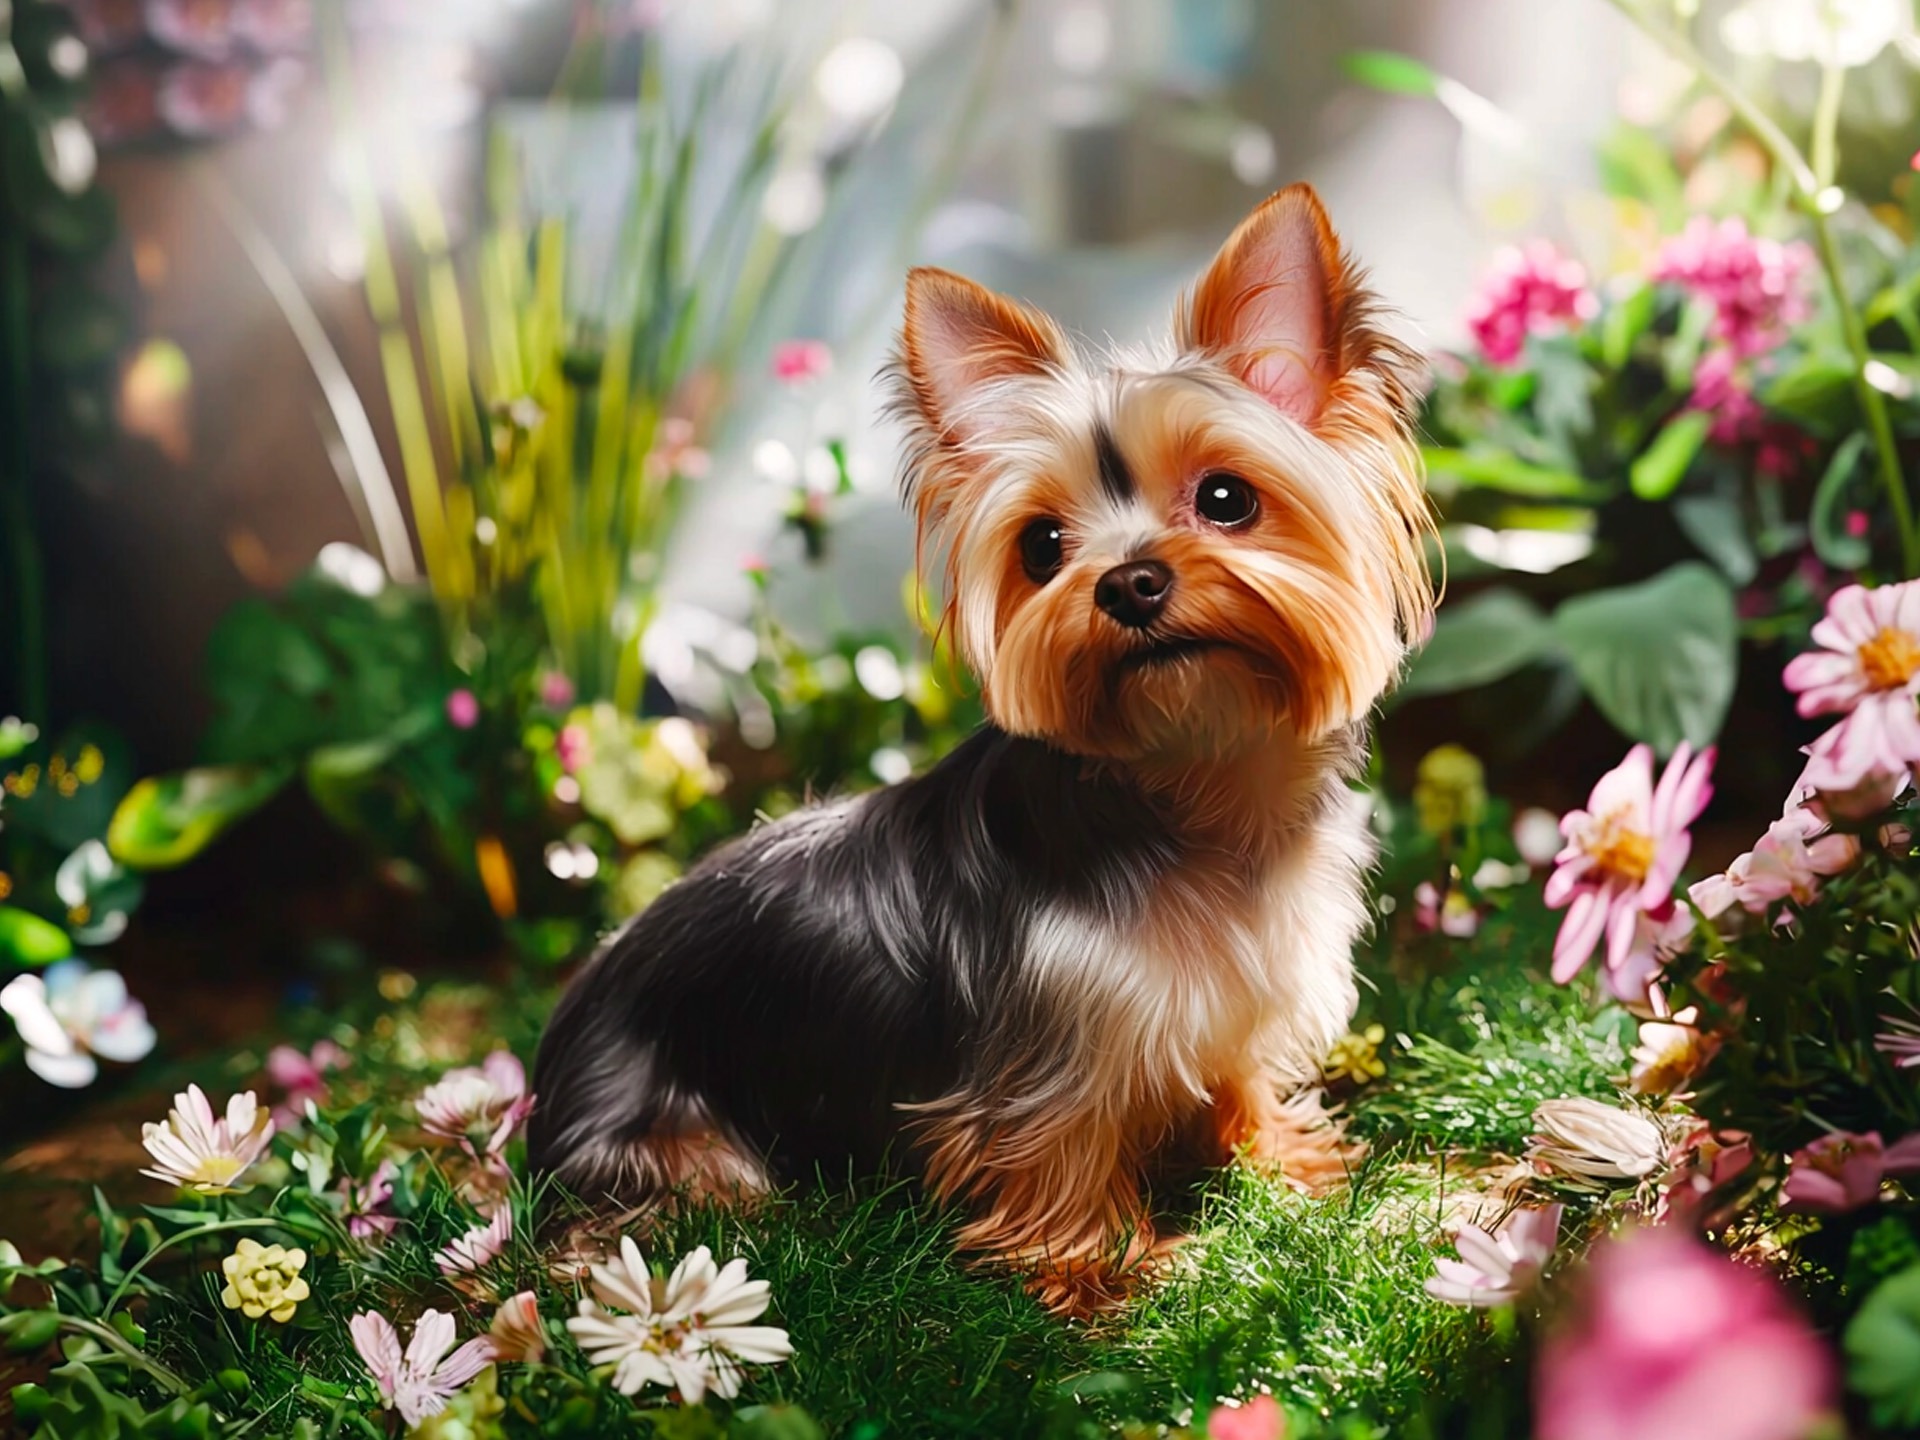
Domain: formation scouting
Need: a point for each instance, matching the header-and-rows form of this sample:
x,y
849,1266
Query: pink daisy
x,y
1867,669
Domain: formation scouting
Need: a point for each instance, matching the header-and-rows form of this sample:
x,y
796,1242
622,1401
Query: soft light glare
x,y
795,200
774,462
351,568
859,78
68,151
1083,39
879,673
1251,155
67,57
891,765
1536,552
1887,380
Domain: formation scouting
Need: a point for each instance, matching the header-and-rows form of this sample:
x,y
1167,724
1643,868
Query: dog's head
x,y
1172,555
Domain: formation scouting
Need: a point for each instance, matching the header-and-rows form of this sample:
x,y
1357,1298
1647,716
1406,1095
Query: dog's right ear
x,y
958,341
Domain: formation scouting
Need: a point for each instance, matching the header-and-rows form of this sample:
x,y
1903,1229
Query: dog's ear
x,y
960,338
1271,306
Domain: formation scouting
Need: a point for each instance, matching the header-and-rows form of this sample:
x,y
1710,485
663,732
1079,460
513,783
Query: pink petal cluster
x,y
463,710
1452,914
1261,1418
480,1106
1528,289
1616,873
478,1247
302,1076
1756,285
1497,1269
1788,863
1843,1171
1867,670
795,361
1676,1339
420,1383
556,690
573,747
1703,1163
366,1203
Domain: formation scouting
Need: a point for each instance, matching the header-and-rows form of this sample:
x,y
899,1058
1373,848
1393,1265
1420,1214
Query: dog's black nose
x,y
1134,593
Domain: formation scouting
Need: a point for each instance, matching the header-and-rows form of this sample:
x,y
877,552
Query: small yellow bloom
x,y
264,1280
1356,1056
1449,790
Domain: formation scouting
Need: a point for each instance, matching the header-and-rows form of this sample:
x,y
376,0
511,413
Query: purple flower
x,y
366,1203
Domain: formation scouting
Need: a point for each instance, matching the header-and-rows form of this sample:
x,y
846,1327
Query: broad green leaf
x,y
1479,641
166,820
1660,468
1817,391
1658,659
1499,470
1390,71
27,941
1827,516
1624,323
1883,1352
1716,525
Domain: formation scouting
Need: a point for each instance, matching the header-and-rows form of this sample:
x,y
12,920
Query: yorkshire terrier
x,y
1112,928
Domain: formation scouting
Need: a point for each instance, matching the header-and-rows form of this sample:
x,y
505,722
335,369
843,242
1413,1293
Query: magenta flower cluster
x,y
1529,289
1754,284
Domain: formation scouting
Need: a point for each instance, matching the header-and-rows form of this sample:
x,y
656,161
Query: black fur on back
x,y
807,978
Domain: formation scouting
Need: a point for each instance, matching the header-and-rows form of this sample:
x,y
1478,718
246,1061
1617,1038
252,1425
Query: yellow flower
x,y
1449,790
264,1280
1356,1056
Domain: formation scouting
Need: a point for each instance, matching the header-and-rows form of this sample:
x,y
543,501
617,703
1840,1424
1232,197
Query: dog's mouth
x,y
1168,651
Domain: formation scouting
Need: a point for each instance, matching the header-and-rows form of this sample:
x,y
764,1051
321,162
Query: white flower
x,y
419,1384
1842,33
1587,1140
688,1331
479,1105
479,1247
1497,1269
72,1013
194,1150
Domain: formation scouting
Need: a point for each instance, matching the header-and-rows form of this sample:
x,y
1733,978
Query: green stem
x,y
1812,183
133,1274
111,1339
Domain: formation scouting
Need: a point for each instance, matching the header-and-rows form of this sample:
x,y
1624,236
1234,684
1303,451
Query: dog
x,y
1114,927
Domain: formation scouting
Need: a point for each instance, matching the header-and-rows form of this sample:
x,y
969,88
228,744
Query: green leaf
x,y
1479,641
1716,524
1391,71
1827,515
166,820
1509,474
1637,164
774,1422
1658,659
1818,392
27,941
1661,467
1882,1345
1624,323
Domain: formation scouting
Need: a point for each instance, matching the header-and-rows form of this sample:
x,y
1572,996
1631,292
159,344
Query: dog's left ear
x,y
1272,306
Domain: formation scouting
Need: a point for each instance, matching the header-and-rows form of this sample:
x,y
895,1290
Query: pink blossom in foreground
x,y
1867,669
478,1247
1261,1418
365,1203
1622,856
420,1383
1497,1268
1843,1171
795,361
1675,1339
517,1333
1756,286
1527,290
481,1106
302,1076
1787,864
463,710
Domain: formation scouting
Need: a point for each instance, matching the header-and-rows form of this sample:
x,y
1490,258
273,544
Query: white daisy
x,y
194,1150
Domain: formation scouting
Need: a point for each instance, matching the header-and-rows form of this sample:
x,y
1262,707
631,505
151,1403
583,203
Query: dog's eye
x,y
1226,501
1041,550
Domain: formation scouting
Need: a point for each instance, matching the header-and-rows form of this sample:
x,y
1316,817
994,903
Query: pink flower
x,y
573,747
1623,853
463,710
674,452
303,1077
478,1247
1867,669
1677,1340
365,1203
419,1384
1497,1269
191,27
1787,864
1875,793
1259,1419
795,361
1527,290
1455,915
1843,1171
480,1106
1901,1041
556,690
517,1333
1722,390
1702,1164
1755,285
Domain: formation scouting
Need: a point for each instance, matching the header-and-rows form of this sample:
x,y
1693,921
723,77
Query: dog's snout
x,y
1134,593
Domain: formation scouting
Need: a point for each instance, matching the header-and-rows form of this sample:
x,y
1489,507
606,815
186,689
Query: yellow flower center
x,y
1623,852
215,1170
1890,659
